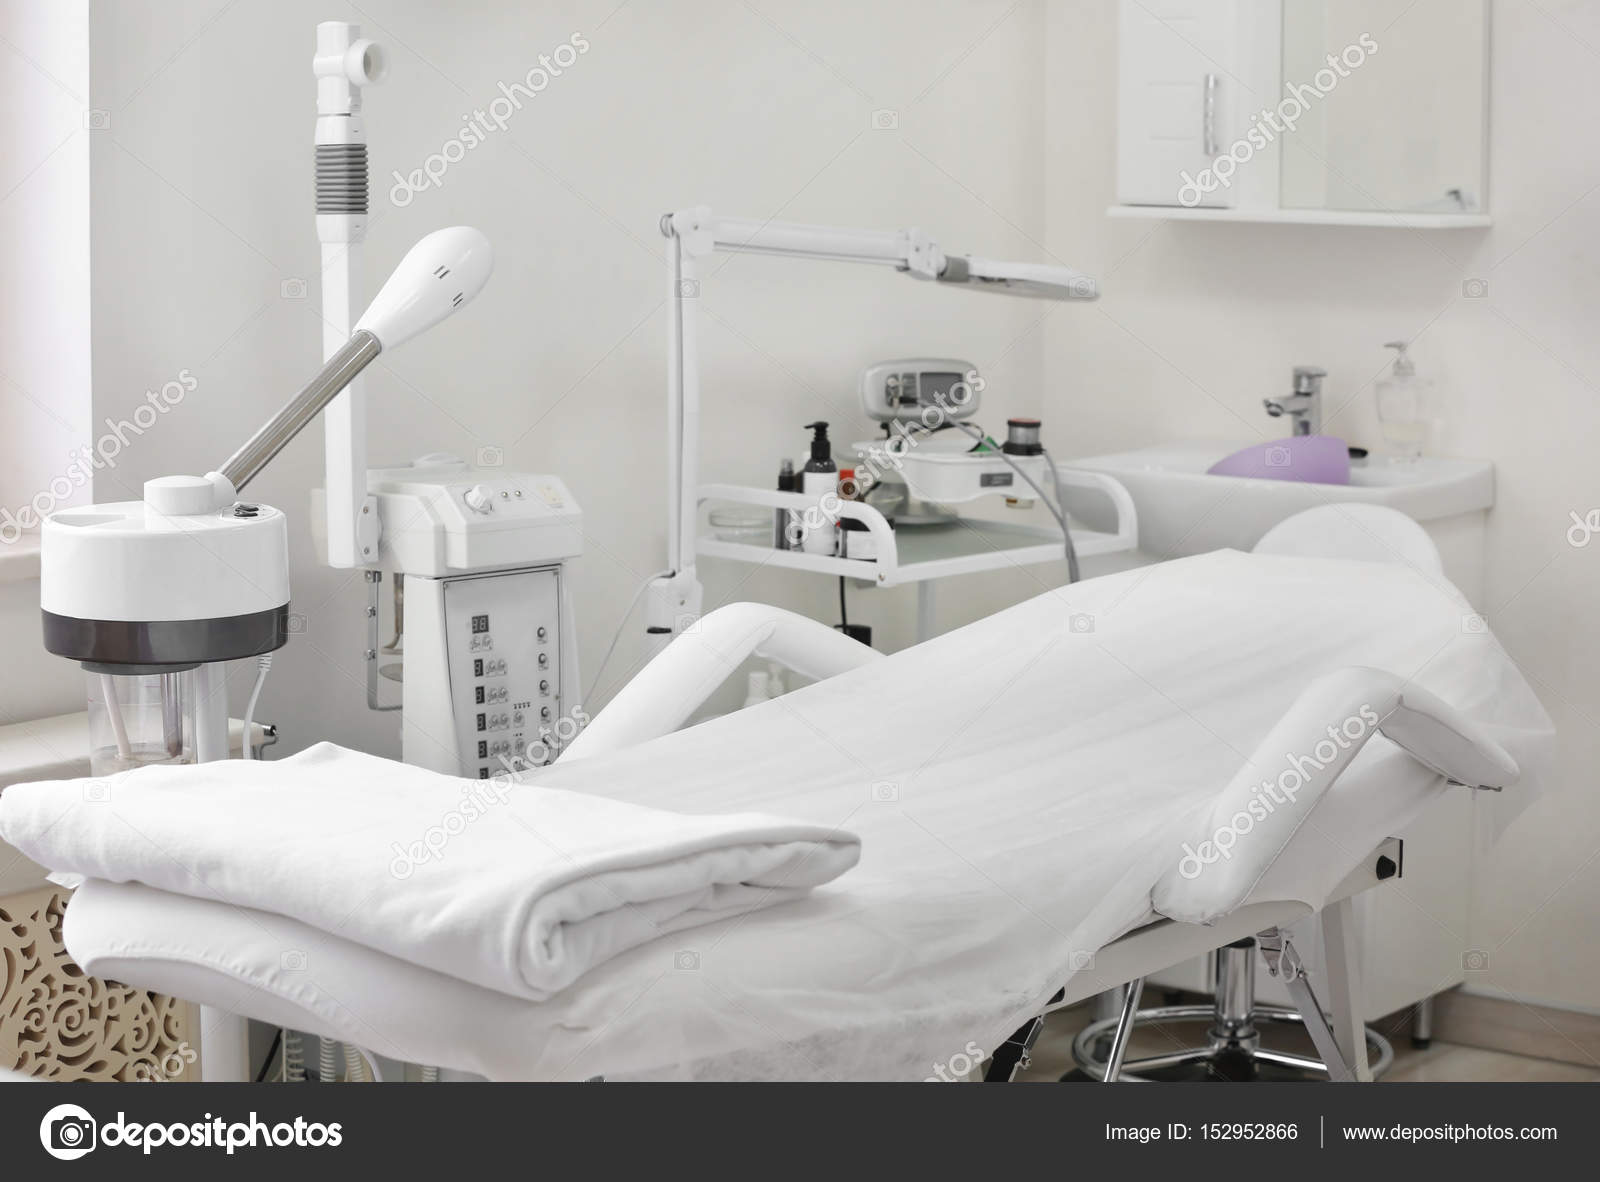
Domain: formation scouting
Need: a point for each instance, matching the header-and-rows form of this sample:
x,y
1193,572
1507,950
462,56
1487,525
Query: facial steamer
x,y
153,595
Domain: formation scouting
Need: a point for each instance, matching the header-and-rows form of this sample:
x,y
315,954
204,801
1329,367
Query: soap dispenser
x,y
1405,407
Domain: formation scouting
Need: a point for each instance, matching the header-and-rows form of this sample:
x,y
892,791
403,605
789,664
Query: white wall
x,y
44,321
1199,322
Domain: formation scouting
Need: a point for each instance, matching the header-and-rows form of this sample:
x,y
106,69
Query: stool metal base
x,y
1221,1058
1233,1049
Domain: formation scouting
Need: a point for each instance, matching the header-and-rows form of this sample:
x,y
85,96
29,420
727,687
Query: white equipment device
x,y
917,397
344,62
485,685
482,612
696,233
906,390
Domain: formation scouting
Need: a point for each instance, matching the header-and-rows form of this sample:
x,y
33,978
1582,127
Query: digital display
x,y
483,722
934,389
483,749
478,694
480,624
477,667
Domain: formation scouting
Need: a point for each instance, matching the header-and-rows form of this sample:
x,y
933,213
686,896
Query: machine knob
x,y
479,499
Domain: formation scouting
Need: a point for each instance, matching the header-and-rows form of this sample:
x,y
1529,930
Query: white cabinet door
x,y
1177,64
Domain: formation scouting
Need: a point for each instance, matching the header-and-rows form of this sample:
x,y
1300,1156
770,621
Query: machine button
x,y
479,499
543,632
544,713
544,687
544,660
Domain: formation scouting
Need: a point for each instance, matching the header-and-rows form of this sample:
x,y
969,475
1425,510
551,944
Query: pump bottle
x,y
820,483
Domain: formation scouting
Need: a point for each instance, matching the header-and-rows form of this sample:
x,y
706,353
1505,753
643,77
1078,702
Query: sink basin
x,y
1184,511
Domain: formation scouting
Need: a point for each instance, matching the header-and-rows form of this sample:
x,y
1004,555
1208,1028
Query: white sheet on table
x,y
1018,784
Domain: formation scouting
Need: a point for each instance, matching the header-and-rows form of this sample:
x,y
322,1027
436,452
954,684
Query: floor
x,y
1441,1062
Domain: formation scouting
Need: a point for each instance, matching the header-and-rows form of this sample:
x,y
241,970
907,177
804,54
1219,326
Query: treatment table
x,y
1041,797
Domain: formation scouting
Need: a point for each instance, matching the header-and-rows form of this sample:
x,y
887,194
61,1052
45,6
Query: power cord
x,y
1058,513
263,664
621,625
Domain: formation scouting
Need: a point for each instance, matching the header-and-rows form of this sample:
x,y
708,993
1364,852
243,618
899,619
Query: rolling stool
x,y
1233,1050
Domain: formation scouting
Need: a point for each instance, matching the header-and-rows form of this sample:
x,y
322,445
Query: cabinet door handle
x,y
1208,117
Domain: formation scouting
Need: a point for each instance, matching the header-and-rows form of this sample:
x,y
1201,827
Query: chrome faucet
x,y
1304,407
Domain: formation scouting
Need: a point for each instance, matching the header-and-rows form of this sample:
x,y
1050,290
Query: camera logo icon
x,y
885,119
1474,289
1474,625
1475,960
1277,457
96,119
1083,288
490,456
67,1132
688,289
1081,622
1082,961
292,289
292,961
97,792
885,791
686,961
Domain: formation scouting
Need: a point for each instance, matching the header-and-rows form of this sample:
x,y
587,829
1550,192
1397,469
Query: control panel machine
x,y
483,622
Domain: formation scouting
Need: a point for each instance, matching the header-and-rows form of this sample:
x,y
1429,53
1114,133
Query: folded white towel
x,y
508,885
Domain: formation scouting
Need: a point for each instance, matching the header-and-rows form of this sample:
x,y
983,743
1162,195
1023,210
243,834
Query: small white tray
x,y
911,555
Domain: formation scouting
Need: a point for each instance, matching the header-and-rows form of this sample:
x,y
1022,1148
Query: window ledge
x,y
20,559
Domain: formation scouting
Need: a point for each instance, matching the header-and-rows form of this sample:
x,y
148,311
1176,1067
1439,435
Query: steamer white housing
x,y
129,583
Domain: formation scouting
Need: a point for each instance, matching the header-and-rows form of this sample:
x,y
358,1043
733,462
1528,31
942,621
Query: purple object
x,y
1312,459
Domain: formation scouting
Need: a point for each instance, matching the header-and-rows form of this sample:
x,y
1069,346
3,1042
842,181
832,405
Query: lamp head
x,y
439,274
1038,280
